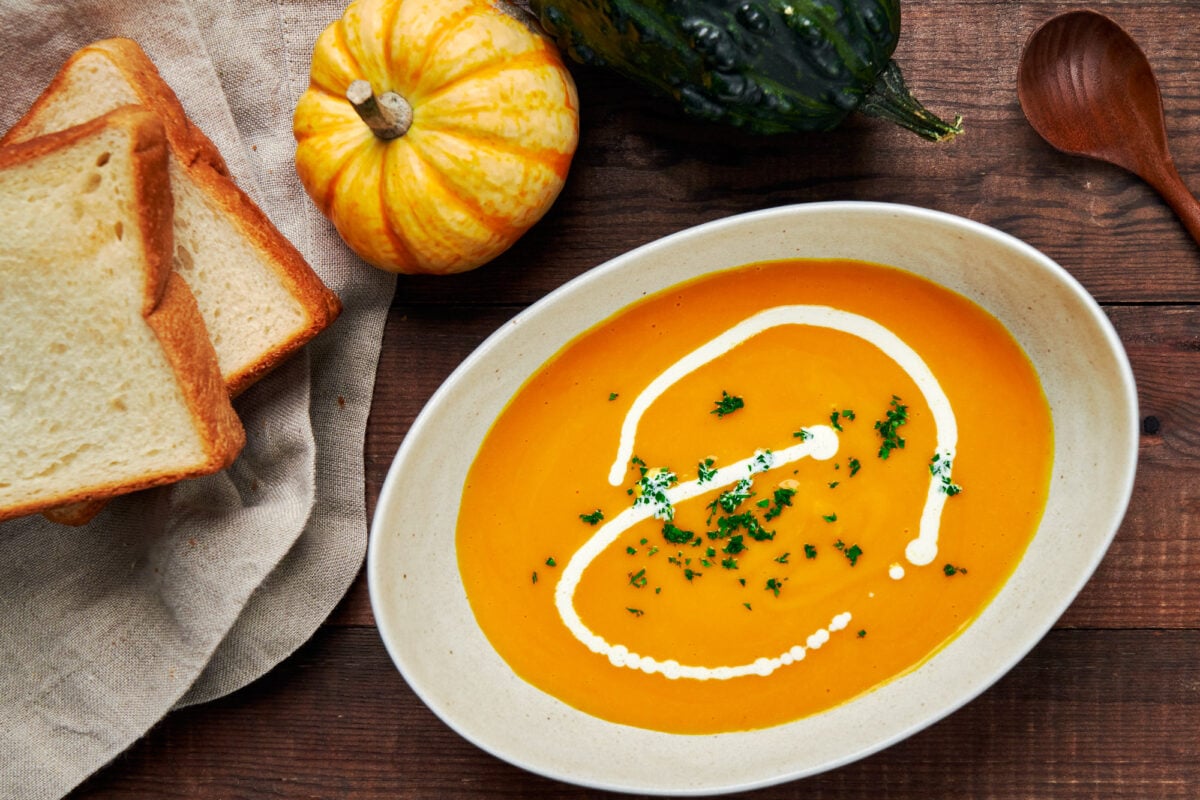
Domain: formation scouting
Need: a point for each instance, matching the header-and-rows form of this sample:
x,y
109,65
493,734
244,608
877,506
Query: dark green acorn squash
x,y
768,66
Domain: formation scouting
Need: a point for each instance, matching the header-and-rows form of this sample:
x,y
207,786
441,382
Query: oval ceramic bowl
x,y
428,627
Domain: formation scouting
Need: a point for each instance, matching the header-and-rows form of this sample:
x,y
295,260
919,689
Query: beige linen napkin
x,y
184,594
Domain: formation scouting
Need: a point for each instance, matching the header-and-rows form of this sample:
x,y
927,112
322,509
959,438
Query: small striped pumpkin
x,y
434,133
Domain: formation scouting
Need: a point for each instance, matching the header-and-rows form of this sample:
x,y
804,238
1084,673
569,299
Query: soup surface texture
x,y
755,496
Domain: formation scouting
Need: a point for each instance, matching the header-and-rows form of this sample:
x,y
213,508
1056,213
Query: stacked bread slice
x,y
80,420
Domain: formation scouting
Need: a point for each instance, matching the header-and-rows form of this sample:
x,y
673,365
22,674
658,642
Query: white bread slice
x,y
260,300
108,381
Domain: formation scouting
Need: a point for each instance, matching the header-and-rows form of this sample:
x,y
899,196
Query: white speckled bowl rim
x,y
422,610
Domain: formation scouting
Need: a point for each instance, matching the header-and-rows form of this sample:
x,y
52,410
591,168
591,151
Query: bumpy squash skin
x,y
768,66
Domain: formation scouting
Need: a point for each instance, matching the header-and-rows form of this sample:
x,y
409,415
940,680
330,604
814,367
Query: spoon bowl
x,y
1088,89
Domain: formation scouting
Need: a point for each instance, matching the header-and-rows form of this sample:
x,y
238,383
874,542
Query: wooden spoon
x,y
1087,88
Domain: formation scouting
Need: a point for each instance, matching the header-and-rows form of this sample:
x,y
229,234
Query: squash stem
x,y
890,99
389,115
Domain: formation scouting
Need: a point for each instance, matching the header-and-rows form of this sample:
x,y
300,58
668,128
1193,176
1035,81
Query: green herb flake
x,y
612,396
550,562
802,434
829,517
747,605
951,569
734,545
705,471
783,559
855,465
888,428
781,498
638,579
853,553
862,634
939,468
652,491
637,612
774,586
592,518
676,535
534,577
728,404
631,550
810,552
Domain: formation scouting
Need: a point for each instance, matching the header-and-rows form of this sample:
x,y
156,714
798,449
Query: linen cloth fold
x,y
183,594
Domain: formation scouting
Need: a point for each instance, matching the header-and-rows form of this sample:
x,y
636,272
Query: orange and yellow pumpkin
x,y
434,133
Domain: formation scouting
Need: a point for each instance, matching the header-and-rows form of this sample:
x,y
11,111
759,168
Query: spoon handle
x,y
1170,185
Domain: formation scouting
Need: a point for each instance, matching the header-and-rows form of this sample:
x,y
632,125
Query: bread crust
x,y
202,161
168,307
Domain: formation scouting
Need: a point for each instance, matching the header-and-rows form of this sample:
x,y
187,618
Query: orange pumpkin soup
x,y
755,496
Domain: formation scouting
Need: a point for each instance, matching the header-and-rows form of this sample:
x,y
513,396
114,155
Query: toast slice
x,y
260,300
108,380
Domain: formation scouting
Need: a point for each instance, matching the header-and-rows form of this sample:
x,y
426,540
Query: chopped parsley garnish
x,y
747,522
631,550
829,517
810,552
781,498
836,416
862,634
705,471
691,573
855,465
534,576
802,434
734,545
728,404
774,586
676,535
852,553
592,518
637,612
638,579
783,559
652,491
612,396
939,467
888,428
550,562
951,570
730,499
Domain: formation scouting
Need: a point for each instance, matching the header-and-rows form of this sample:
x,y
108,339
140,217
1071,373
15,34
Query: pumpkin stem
x,y
388,116
890,99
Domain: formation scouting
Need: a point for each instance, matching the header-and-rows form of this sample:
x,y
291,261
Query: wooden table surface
x,y
1108,705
